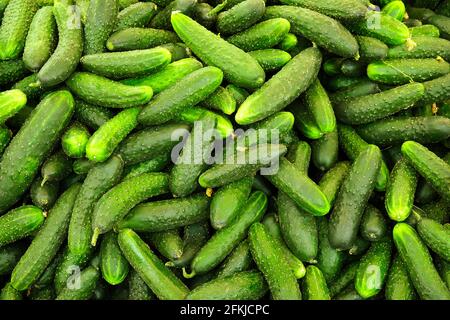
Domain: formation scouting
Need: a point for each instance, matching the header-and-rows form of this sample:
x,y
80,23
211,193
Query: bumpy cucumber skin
x,y
11,101
436,91
156,164
100,21
304,22
46,243
346,277
304,120
67,269
101,91
106,139
422,272
427,30
240,17
319,105
371,49
44,196
152,270
314,285
19,223
398,284
300,155
41,39
16,176
189,91
139,38
67,54
270,260
426,47
99,180
282,89
227,201
5,137
32,92
436,236
239,67
9,293
137,15
325,151
168,243
331,181
442,23
395,9
88,282
434,169
74,140
90,115
138,289
114,266
12,71
240,259
247,285
348,208
221,100
271,59
57,167
162,18
400,191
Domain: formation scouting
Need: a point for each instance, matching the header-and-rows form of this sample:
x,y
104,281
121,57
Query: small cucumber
x,y
444,270
240,259
220,100
400,191
168,243
240,17
426,47
427,30
371,49
319,105
32,92
359,247
114,266
9,256
395,9
88,279
435,236
101,91
178,50
325,151
314,285
398,284
45,195
74,140
156,164
304,120
139,39
346,277
331,181
137,15
11,101
374,226
12,71
289,42
239,94
92,116
56,168
271,59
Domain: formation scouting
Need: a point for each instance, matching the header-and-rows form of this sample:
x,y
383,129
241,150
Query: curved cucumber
x,y
56,168
74,140
114,266
398,284
319,105
11,101
436,237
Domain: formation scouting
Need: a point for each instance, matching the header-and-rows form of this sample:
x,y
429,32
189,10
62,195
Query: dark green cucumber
x,y
178,50
371,49
45,195
48,276
189,91
68,270
426,47
434,169
119,200
123,4
271,59
139,38
204,14
352,68
314,285
418,261
56,168
240,259
69,50
238,67
270,260
33,141
9,256
359,247
325,151
12,71
101,91
220,100
11,101
32,92
162,18
137,15
46,243
20,223
279,90
395,9
90,115
280,122
444,270
442,23
427,30
156,164
400,191
114,266
129,64
138,289
349,293
240,17
87,282
436,91
319,105
374,226
345,278
398,284
225,240
46,293
435,236
227,202
393,131
168,243
300,155
41,39
331,181
74,140
348,209
304,120
9,293
158,277
341,82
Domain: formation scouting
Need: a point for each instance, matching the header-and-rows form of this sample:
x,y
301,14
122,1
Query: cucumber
x,y
289,42
88,279
319,105
106,139
129,64
434,169
422,272
68,270
436,91
114,266
3,5
16,22
238,67
240,17
435,236
11,101
263,35
395,9
341,82
345,279
341,10
20,223
119,200
426,47
225,240
90,115
444,270
64,60
56,168
335,38
139,39
270,260
9,256
366,109
45,195
189,91
374,226
204,14
304,120
444,8
239,94
348,208
5,137
48,276
149,143
371,49
177,50
41,39
12,71
32,92
300,155
220,100
442,23
168,76
74,140
247,285
9,293
398,284
158,277
331,181
98,181
156,164
46,243
427,30
325,151
137,15
234,195
168,243
396,72
34,141
314,285
359,247
393,131
271,59
101,19
282,121
123,4
400,191
162,18
278,90
46,293
138,289
239,260
349,293
351,68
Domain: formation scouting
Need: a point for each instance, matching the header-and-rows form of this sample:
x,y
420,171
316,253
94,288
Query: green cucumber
x,y
427,30
325,151
435,236
444,270
240,259
373,224
137,15
263,35
289,42
227,201
426,47
119,200
32,92
238,67
114,266
239,94
46,243
346,278
9,256
11,101
352,68
300,155
348,208
100,21
434,169
189,91
371,49
156,164
168,243
359,247
349,293
46,293
162,18
47,277
12,71
68,270
64,60
129,64
342,82
204,14
442,23
304,120
178,50
314,285
34,141
280,122
400,191
139,39
5,137
41,39
158,277
138,289
3,5
341,10
411,23
319,105
123,4
270,260
74,140
9,293
92,116
436,91
395,9
45,195
240,17
220,100
418,261
56,168
88,279
398,284
271,59
402,71
20,223
281,89
331,181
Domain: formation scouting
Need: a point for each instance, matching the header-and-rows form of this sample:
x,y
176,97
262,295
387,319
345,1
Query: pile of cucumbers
x,y
102,108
